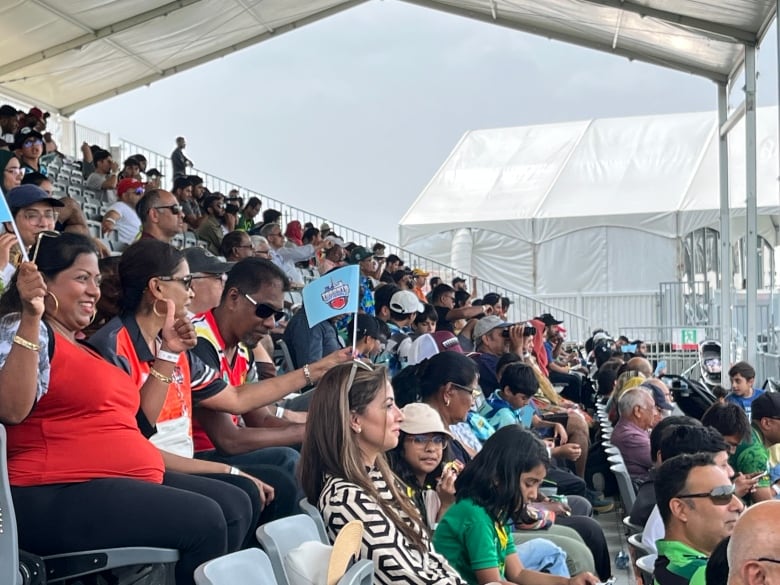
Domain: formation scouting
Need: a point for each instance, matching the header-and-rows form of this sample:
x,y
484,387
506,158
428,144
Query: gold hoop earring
x,y
154,309
56,302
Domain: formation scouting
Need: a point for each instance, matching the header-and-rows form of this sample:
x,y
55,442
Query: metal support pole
x,y
726,279
751,210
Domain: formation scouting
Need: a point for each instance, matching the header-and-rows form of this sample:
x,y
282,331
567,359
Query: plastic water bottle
x,y
621,560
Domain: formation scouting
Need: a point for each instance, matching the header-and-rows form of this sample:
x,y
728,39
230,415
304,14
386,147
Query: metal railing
x,y
522,306
662,344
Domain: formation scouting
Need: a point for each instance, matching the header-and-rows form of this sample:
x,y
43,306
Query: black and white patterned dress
x,y
395,559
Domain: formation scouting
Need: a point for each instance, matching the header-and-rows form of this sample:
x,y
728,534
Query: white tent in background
x,y
598,206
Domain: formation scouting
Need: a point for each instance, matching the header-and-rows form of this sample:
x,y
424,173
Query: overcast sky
x,y
351,116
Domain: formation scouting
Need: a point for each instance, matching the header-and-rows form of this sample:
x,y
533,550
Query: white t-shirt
x,y
95,182
654,530
128,224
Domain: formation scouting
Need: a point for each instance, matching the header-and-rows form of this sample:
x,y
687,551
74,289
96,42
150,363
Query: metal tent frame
x,y
74,55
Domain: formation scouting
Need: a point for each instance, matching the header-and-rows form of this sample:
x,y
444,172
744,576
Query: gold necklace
x,y
70,336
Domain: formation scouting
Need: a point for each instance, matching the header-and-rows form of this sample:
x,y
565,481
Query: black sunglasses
x,y
186,280
263,311
175,208
720,495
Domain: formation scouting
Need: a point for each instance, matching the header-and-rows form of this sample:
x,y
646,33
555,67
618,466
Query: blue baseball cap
x,y
26,195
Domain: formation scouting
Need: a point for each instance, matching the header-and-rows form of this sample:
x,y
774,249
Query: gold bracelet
x,y
26,344
161,377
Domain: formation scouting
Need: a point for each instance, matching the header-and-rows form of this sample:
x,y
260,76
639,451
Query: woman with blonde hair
x,y
344,472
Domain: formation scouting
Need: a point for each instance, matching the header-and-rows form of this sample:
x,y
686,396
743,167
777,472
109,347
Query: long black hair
x,y
141,262
419,382
492,479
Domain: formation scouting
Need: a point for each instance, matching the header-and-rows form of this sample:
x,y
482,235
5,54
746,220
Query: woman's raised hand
x,y
32,289
178,334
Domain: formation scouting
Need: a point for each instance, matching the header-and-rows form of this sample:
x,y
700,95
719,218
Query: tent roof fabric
x,y
657,174
78,52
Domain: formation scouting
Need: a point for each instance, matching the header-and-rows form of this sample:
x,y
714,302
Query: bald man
x,y
754,550
641,365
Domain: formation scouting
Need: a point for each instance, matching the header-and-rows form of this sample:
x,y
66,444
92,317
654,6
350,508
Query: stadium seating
x,y
245,567
64,566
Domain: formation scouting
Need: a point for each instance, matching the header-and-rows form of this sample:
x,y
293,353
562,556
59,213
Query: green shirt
x,y
679,564
751,457
470,540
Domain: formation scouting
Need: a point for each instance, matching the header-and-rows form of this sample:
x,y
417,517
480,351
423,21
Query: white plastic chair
x,y
281,536
626,488
646,566
315,515
245,567
635,540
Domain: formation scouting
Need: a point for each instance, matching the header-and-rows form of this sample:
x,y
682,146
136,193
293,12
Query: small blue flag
x,y
5,211
334,294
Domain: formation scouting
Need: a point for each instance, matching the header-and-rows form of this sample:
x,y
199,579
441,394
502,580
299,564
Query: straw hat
x,y
316,563
346,548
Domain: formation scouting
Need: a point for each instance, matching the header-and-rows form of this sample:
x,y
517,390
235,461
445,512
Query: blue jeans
x,y
541,554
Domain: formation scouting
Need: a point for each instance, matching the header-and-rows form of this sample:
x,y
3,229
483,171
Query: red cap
x,y
126,184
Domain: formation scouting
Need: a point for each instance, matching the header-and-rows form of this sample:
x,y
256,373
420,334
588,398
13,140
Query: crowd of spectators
x,y
462,440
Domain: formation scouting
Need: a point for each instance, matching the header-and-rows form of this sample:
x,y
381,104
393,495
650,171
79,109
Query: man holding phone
x,y
752,456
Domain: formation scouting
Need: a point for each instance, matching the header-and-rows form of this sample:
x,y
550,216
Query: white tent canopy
x,y
594,206
67,54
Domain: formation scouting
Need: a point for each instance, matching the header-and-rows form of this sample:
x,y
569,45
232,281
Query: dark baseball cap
x,y
358,254
26,195
766,406
548,319
201,260
154,173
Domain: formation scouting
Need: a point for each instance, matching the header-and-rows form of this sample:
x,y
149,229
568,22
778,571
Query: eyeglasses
x,y
245,246
275,234
39,239
768,560
221,277
425,440
15,171
186,280
140,191
175,208
263,311
34,216
31,142
475,391
720,495
261,252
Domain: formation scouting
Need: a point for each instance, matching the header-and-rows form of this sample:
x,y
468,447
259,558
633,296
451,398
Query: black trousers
x,y
202,518
573,383
273,465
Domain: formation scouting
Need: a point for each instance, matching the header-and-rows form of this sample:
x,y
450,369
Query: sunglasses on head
x,y
720,495
263,311
39,239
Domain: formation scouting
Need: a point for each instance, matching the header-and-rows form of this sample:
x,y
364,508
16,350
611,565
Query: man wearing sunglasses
x,y
699,508
161,215
121,216
251,304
